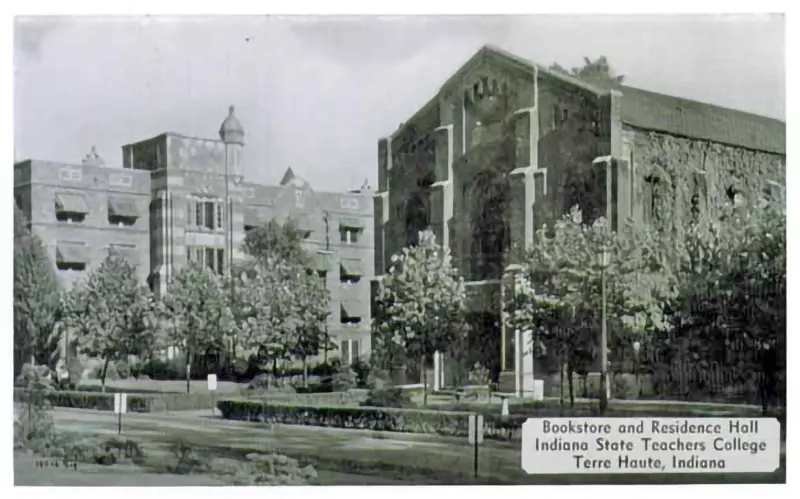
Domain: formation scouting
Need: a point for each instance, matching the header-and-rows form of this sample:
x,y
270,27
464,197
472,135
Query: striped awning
x,y
351,223
353,309
71,203
72,252
353,268
122,207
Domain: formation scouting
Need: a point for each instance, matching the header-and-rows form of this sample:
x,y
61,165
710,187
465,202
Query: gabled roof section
x,y
649,110
665,113
291,180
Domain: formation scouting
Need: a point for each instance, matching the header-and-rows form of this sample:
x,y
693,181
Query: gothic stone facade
x,y
167,206
507,146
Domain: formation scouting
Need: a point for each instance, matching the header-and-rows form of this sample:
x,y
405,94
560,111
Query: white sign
x,y
650,445
212,382
120,403
472,422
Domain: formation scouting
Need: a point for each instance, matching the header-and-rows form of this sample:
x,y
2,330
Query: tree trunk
x,y
274,367
188,371
561,380
305,373
103,376
424,383
570,371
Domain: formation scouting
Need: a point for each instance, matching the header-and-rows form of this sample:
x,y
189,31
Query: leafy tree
x,y
597,72
201,315
423,301
277,241
558,292
112,313
259,307
311,304
36,299
732,298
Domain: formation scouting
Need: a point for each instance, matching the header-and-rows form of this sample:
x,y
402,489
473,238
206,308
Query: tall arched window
x,y
491,237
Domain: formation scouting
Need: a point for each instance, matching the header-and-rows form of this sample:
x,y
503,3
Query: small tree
x,y
423,301
277,242
113,314
311,299
36,300
201,317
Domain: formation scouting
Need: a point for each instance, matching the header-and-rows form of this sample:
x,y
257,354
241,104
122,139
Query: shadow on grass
x,y
419,474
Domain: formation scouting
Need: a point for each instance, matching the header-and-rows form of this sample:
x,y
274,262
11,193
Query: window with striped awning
x,y
122,207
71,203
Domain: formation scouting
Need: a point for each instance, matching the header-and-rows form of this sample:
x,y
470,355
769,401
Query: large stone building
x,y
507,145
178,199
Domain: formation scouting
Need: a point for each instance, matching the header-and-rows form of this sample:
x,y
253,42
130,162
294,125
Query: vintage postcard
x,y
399,250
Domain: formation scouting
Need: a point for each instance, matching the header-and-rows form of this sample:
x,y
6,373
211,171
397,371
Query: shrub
x,y
135,369
388,397
378,379
326,369
344,380
87,400
123,369
164,370
111,372
113,451
33,426
362,369
269,382
277,469
479,375
75,370
372,418
188,460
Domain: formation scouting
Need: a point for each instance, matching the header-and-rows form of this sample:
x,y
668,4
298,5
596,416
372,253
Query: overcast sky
x,y
316,93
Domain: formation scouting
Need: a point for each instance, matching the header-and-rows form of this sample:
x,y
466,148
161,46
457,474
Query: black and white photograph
x,y
399,250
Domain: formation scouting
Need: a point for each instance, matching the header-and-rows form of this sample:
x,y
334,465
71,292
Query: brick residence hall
x,y
178,199
507,145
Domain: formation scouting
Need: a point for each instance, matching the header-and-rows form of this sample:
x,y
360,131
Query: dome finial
x,y
231,131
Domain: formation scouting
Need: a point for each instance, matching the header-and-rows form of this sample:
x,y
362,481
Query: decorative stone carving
x,y
93,159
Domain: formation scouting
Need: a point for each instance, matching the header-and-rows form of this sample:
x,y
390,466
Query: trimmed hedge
x,y
140,402
453,424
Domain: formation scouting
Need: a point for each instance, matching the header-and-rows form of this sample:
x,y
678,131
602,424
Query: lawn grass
x,y
408,459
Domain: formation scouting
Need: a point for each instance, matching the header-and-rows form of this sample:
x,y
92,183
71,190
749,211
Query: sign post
x,y
475,435
120,407
212,387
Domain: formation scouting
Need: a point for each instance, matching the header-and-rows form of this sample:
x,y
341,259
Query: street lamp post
x,y
605,391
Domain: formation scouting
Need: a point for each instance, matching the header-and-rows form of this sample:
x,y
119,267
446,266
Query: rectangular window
x,y
220,260
209,258
345,358
354,350
208,221
190,213
198,213
220,216
345,237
